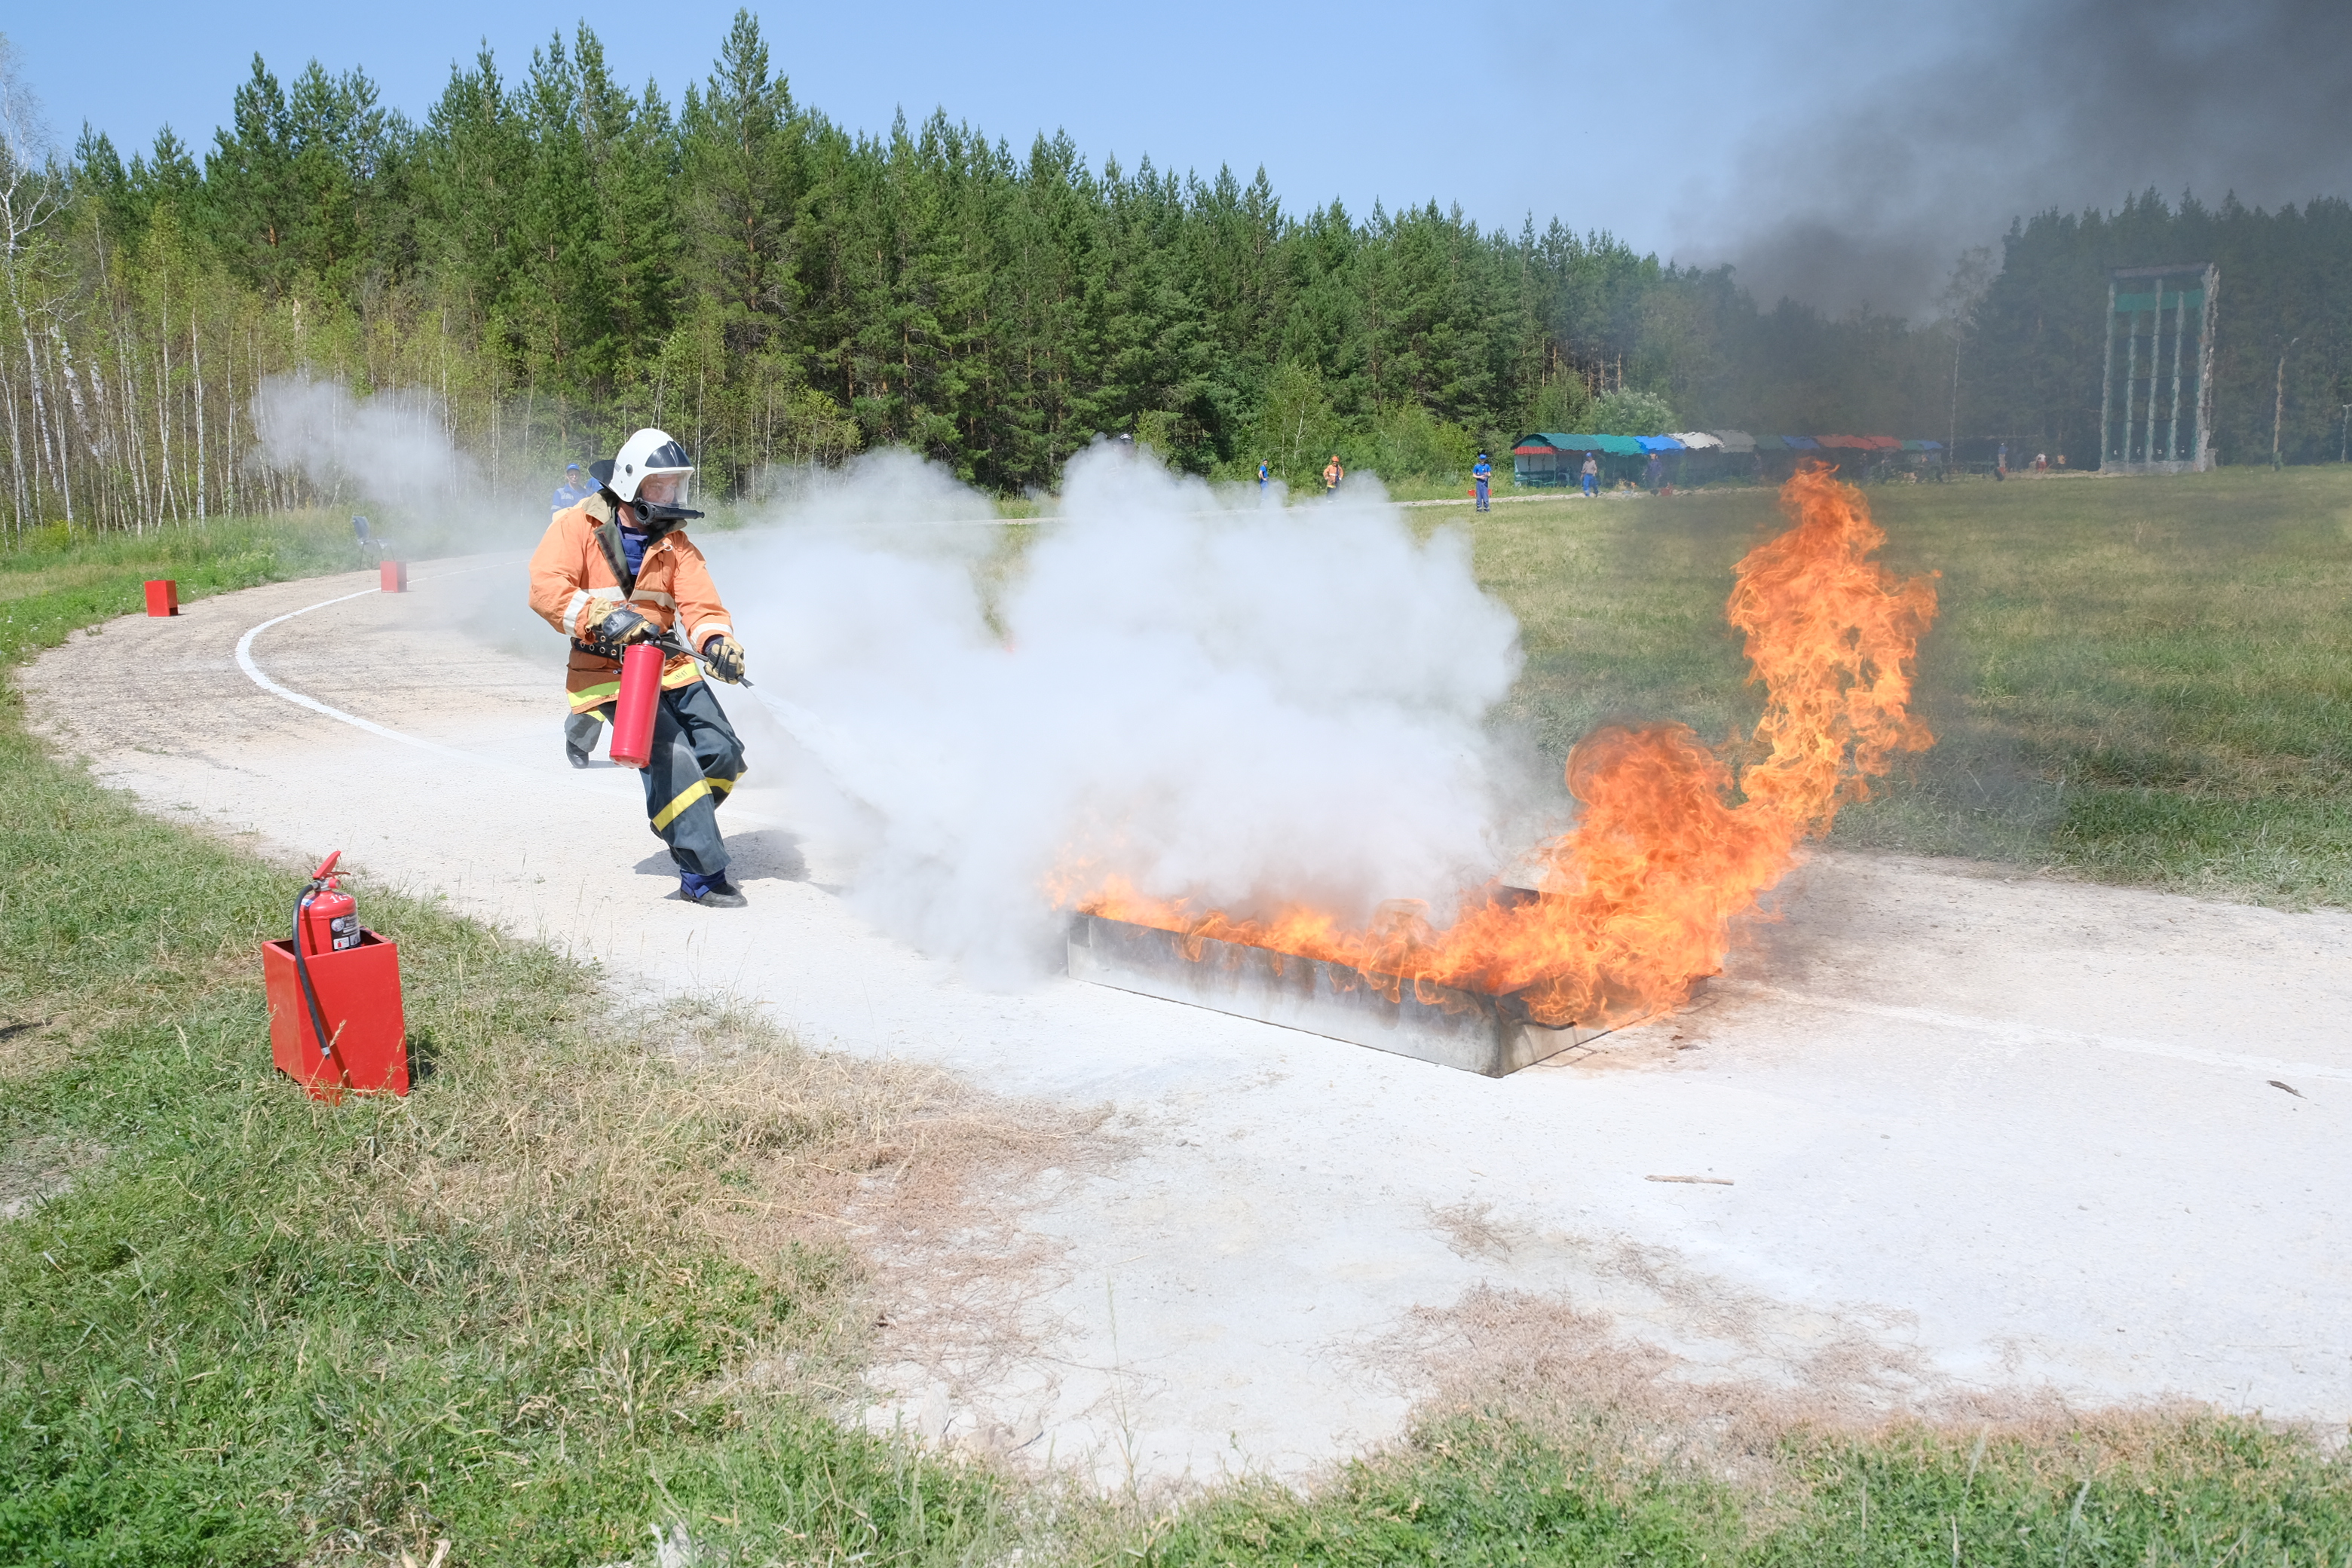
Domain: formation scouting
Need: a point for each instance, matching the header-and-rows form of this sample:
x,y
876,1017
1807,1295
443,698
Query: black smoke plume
x,y
1866,198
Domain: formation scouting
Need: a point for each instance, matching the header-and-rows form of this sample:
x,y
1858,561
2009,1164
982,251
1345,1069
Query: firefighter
x,y
615,569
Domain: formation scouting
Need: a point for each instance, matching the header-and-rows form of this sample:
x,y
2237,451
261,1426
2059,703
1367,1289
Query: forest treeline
x,y
559,258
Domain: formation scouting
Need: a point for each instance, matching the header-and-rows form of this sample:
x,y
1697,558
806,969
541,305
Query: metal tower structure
x,y
2163,317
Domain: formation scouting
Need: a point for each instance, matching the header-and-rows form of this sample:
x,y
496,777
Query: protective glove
x,y
619,626
725,655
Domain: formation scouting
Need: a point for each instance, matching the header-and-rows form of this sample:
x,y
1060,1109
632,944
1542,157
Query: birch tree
x,y
30,194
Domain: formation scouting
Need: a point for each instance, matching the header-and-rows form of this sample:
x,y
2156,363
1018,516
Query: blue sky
x,y
1502,109
1841,150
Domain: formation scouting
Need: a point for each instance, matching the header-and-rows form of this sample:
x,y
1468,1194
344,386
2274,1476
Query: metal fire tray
x,y
1481,1034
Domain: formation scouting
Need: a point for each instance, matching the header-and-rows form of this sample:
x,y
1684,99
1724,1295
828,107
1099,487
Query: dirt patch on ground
x,y
1579,1378
928,1182
30,1047
35,1170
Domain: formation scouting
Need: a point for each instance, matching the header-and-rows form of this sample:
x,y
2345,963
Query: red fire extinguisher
x,y
330,920
325,920
633,711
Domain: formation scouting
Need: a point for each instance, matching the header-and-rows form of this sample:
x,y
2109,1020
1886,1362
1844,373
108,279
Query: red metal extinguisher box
x,y
358,995
162,597
392,576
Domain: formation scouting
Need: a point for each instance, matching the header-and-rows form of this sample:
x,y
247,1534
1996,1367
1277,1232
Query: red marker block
x,y
393,576
162,597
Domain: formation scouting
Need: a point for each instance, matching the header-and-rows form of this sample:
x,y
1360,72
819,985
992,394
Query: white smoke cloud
x,y
391,448
1212,696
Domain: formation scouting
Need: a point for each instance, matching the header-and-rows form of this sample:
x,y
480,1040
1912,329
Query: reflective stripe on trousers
x,y
695,761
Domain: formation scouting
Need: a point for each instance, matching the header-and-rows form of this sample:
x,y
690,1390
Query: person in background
x,y
1482,471
2000,462
1264,474
1332,474
571,491
1653,473
1591,474
2040,462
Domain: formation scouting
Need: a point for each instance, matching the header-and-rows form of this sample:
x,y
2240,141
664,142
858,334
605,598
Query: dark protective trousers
x,y
696,760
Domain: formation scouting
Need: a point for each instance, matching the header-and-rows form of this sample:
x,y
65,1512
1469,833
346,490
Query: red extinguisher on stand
x,y
326,920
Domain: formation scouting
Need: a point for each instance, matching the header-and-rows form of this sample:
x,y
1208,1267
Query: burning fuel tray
x,y
1489,1035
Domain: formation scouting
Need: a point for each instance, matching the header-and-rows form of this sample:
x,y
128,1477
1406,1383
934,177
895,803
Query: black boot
x,y
716,893
580,733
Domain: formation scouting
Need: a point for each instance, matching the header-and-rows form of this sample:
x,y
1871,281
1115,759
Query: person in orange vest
x,y
617,569
1332,474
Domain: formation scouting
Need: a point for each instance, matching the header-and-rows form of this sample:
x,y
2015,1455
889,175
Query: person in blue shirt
x,y
1484,472
571,491
1264,474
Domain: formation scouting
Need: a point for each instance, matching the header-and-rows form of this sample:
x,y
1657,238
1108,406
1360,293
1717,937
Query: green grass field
x,y
237,1327
2139,680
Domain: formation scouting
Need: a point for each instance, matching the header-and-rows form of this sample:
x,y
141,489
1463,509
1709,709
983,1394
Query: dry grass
x,y
1546,1367
867,1184
1547,1437
30,1047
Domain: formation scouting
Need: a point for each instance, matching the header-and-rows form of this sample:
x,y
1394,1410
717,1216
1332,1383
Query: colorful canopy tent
x,y
1658,442
1547,458
1738,442
1799,443
1697,440
1556,457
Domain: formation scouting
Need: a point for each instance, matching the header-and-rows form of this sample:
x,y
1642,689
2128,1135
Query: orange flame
x,y
1637,900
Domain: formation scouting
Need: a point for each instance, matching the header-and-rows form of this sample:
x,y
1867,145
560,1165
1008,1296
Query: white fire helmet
x,y
646,453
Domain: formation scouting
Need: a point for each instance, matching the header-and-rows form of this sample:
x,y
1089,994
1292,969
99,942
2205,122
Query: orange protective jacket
x,y
576,574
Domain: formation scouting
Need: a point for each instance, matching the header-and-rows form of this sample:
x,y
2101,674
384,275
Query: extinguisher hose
x,y
327,1046
669,644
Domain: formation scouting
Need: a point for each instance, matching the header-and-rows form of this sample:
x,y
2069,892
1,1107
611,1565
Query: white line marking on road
x,y
2034,1034
253,671
245,661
